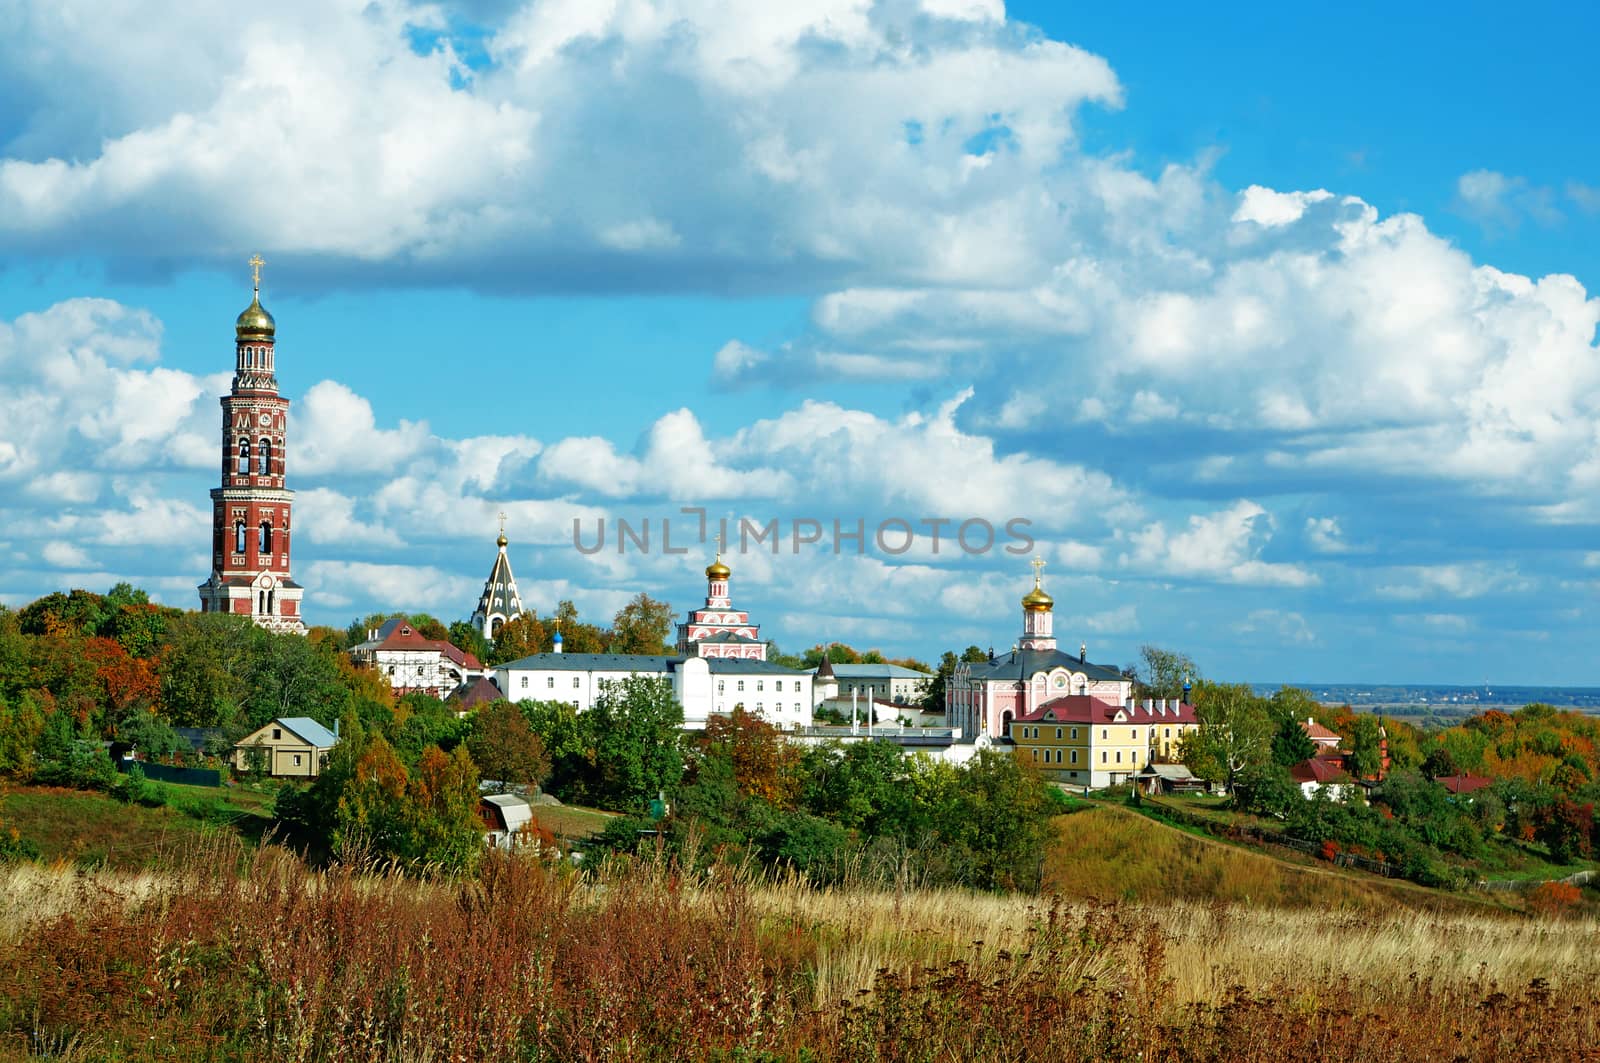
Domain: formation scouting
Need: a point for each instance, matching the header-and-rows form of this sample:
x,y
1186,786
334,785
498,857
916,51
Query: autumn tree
x,y
505,748
642,626
522,637
566,739
764,764
577,636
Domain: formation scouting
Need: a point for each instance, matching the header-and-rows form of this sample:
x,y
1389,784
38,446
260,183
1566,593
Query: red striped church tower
x,y
250,511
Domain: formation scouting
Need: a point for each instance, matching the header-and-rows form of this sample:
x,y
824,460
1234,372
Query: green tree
x,y
1290,709
204,669
1365,745
1234,732
469,639
291,676
1162,673
567,742
150,735
634,728
505,748
642,626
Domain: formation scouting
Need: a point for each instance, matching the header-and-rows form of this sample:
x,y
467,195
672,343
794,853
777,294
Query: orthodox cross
x,y
717,538
255,264
1038,569
502,522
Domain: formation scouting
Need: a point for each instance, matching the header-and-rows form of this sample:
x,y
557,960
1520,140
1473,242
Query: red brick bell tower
x,y
250,511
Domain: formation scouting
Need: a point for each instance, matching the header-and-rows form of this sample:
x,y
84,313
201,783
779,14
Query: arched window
x,y
265,546
264,458
238,537
244,456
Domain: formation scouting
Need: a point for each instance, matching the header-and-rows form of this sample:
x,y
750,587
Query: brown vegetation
x,y
254,956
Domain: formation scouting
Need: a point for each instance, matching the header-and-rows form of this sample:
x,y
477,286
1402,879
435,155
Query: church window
x,y
778,686
238,537
244,456
720,684
264,458
1035,756
1104,734
265,545
576,683
741,684
1058,732
524,682
1103,756
1074,756
1133,733
797,706
1074,732
272,600
1119,756
1168,733
549,682
759,684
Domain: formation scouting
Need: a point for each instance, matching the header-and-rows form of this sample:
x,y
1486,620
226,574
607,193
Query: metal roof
x,y
310,730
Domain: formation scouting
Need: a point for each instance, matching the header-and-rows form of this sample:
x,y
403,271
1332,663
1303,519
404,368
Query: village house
x,y
412,663
293,747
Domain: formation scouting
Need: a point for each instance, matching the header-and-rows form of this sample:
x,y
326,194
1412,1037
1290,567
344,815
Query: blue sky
x,y
1277,328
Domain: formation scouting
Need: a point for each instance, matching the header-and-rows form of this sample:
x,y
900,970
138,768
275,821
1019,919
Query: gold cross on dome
x,y
717,538
1038,570
502,522
255,264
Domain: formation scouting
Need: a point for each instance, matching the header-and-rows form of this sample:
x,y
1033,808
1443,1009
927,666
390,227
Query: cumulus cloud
x,y
1499,203
1222,547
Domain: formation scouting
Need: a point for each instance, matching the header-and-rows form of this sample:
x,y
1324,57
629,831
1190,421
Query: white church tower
x,y
500,603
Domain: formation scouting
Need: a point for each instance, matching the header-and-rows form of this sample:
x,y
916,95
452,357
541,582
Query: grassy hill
x,y
1108,853
95,829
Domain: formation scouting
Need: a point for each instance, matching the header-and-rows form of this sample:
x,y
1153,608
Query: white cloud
x,y
323,515
66,555
1465,580
1499,202
1326,536
1279,625
336,432
1270,209
1221,546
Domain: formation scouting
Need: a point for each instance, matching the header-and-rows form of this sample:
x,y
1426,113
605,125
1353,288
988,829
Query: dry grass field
x,y
251,955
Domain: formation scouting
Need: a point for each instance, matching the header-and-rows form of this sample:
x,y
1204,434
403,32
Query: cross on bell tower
x,y
250,510
1037,607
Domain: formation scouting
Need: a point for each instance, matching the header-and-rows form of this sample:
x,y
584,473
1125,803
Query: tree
x,y
642,626
635,731
204,668
1162,673
291,676
933,697
1290,742
1365,759
765,766
577,636
467,638
505,748
1234,732
1439,764
567,742
149,734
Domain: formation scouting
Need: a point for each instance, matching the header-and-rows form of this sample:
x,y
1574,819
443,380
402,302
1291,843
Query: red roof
x,y
1086,708
403,636
1464,784
1319,770
1318,733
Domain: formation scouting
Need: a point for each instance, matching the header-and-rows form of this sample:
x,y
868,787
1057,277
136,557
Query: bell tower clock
x,y
250,511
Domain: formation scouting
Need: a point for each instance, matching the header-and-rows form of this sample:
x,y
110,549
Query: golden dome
x,y
1037,601
255,322
717,570
501,541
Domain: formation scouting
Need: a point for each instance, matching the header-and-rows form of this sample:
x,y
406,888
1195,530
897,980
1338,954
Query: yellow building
x,y
293,747
1084,741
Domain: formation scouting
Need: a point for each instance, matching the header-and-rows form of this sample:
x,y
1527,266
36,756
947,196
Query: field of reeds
x,y
222,952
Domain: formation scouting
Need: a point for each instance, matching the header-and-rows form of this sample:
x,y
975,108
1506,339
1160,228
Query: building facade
x,y
883,682
250,510
704,686
294,747
986,697
717,629
414,664
1084,741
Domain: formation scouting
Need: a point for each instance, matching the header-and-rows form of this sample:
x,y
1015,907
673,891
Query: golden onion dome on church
x,y
255,322
1037,601
717,570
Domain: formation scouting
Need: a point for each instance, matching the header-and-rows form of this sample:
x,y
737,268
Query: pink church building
x,y
717,629
984,697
